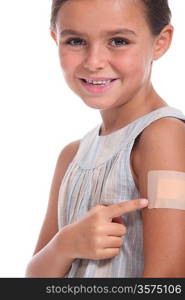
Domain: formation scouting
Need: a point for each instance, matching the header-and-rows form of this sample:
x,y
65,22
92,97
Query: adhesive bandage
x,y
166,189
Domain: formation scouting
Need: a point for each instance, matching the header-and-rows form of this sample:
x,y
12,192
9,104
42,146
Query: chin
x,y
97,103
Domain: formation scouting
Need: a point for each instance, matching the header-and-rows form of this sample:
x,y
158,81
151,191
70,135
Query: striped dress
x,y
100,173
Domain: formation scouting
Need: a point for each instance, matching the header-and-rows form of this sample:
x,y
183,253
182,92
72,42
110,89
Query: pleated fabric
x,y
100,173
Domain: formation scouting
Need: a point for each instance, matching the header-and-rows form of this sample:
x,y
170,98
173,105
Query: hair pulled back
x,y
157,12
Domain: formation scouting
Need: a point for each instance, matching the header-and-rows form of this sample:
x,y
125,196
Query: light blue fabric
x,y
100,174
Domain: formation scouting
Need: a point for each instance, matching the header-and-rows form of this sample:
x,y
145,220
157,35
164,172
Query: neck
x,y
117,117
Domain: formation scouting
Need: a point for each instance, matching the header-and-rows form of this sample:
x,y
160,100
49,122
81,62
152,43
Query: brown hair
x,y
158,14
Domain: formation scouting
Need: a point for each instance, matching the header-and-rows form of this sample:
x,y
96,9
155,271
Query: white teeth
x,y
97,82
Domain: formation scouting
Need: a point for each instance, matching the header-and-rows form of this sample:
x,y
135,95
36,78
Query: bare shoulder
x,y
172,121
50,224
163,128
163,144
65,157
162,141
71,148
67,154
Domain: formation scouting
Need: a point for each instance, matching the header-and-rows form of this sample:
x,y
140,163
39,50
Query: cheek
x,y
135,67
130,63
68,61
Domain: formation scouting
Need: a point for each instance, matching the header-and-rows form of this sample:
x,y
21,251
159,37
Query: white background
x,y
39,115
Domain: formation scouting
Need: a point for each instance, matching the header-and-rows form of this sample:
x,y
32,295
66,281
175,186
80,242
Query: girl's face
x,y
102,40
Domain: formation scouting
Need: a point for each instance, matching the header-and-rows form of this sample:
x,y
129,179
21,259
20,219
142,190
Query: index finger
x,y
119,209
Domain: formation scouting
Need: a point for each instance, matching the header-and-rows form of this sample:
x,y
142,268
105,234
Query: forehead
x,y
101,15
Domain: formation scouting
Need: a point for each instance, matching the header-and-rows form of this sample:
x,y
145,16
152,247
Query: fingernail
x,y
144,202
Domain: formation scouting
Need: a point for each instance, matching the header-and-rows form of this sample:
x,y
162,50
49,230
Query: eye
x,y
74,42
118,42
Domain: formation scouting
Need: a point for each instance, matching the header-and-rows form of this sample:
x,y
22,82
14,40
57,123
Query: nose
x,y
95,59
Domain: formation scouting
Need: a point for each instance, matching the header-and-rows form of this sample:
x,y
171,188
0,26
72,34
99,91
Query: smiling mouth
x,y
98,83
97,87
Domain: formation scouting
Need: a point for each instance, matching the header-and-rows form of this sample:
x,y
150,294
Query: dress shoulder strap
x,y
146,120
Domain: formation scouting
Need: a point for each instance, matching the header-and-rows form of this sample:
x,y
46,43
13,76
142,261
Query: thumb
x,y
119,209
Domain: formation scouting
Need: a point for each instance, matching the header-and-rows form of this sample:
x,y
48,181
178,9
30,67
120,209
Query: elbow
x,y
29,271
32,270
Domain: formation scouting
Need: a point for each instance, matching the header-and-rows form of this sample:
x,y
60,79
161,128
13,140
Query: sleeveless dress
x,y
100,173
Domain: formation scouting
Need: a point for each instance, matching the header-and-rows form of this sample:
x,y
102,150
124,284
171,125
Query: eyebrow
x,y
125,31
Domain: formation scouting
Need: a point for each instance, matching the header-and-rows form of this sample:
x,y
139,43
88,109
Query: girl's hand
x,y
99,234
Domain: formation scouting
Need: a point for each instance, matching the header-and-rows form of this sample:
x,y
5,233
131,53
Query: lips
x,y
97,88
99,79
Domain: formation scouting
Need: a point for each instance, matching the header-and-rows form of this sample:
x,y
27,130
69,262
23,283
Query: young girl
x,y
93,227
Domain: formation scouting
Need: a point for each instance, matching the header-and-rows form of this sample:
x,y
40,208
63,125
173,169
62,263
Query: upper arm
x,y
50,224
162,147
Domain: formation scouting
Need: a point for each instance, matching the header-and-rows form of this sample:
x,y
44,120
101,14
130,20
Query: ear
x,y
163,41
54,36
